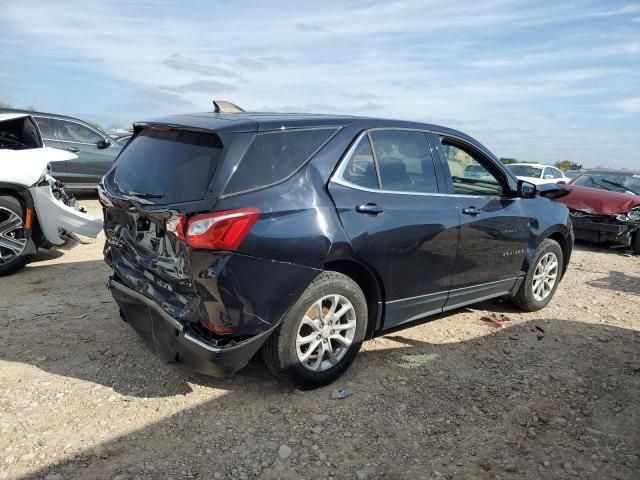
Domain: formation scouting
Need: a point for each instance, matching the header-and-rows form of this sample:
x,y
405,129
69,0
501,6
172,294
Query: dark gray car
x,y
95,150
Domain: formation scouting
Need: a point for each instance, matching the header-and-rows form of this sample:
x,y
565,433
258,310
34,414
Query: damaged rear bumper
x,y
176,342
602,229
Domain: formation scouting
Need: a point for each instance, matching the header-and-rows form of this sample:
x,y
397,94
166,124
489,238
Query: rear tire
x,y
321,335
12,236
542,279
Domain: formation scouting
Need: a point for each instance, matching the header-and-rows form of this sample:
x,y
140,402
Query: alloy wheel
x,y
545,276
12,241
325,333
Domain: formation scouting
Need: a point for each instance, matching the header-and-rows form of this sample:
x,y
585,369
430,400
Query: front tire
x,y
636,243
13,241
321,335
542,279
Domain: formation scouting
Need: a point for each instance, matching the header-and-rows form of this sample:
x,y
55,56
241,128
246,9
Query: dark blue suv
x,y
303,235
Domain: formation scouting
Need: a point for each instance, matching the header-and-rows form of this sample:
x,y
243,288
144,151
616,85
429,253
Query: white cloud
x,y
631,105
492,62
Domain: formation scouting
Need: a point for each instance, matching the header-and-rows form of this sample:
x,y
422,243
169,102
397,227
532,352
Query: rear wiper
x,y
133,193
616,184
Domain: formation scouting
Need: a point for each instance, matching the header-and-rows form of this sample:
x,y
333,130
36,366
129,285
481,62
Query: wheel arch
x,y
22,194
369,283
565,246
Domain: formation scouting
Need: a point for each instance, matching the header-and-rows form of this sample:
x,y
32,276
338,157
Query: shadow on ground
x,y
509,404
512,404
618,282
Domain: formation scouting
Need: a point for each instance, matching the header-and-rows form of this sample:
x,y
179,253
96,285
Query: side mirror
x,y
553,190
104,143
526,189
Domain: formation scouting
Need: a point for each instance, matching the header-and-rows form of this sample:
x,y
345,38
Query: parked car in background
x,y
538,174
605,206
121,136
35,211
94,150
476,172
302,235
573,173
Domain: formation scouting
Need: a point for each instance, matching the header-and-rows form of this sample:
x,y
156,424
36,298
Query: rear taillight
x,y
223,230
218,329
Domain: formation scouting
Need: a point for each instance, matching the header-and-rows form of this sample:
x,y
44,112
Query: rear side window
x,y
168,166
274,156
361,169
405,161
552,173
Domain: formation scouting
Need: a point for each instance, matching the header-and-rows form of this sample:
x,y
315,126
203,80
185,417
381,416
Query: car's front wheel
x,y
543,277
13,241
321,335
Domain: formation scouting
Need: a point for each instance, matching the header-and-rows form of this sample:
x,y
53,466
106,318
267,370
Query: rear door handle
x,y
471,211
73,149
370,208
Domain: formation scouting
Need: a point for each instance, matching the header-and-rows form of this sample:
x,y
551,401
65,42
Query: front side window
x,y
404,161
74,132
361,168
274,156
469,174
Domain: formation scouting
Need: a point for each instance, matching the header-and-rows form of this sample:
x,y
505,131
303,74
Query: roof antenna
x,y
220,106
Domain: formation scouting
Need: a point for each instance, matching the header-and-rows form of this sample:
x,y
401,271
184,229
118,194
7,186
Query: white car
x,y
35,211
538,174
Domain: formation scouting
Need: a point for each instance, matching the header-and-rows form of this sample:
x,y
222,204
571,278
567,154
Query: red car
x,y
605,206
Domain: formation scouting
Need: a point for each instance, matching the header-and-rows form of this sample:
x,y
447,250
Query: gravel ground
x,y
556,394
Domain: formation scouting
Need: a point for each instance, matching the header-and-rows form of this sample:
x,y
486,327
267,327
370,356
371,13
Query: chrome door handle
x,y
471,211
370,208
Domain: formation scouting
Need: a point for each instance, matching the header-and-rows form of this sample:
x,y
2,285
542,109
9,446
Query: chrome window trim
x,y
339,179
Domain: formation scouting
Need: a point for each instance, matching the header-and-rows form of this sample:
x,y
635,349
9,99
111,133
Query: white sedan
x,y
538,174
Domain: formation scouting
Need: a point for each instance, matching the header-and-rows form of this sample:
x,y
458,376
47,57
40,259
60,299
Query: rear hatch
x,y
163,175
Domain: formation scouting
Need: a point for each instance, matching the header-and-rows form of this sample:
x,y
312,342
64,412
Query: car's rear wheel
x,y
13,241
543,277
321,335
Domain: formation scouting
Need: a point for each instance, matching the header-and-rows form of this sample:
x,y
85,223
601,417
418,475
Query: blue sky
x,y
533,80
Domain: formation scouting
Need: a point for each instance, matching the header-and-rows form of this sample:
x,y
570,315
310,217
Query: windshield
x,y
526,171
167,166
616,182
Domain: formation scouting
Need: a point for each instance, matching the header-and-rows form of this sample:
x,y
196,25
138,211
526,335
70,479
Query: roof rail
x,y
221,106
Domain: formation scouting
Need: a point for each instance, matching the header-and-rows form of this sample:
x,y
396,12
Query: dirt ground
x,y
556,394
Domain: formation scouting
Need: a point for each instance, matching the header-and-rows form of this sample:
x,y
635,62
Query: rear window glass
x,y
168,166
274,156
405,161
